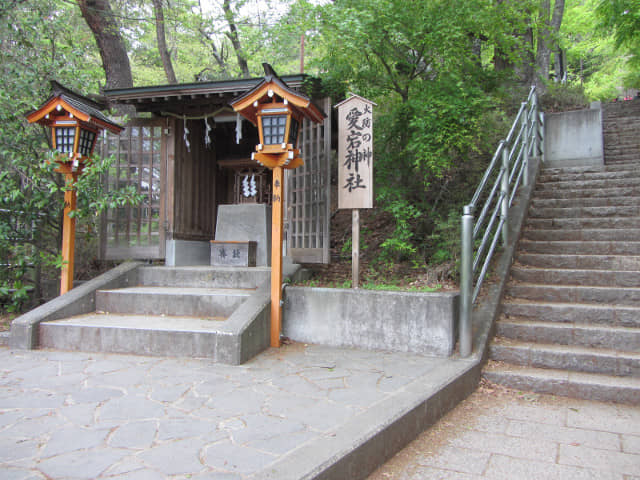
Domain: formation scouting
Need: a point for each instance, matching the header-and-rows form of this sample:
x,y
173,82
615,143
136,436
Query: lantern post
x,y
278,112
75,122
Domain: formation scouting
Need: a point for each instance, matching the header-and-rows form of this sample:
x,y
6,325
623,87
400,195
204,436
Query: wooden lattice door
x,y
139,161
308,207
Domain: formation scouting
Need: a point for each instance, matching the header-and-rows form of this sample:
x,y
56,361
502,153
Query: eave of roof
x,y
224,87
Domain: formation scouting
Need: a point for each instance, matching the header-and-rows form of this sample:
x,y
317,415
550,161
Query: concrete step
x,y
570,192
133,334
587,202
594,234
199,302
580,262
549,171
548,177
572,293
204,277
612,158
588,386
566,357
558,276
583,223
585,212
580,248
611,315
589,184
591,336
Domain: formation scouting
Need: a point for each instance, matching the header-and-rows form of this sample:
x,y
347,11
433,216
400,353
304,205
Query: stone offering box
x,y
226,253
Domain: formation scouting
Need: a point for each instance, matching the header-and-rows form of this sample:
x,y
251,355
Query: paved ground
x,y
70,415
501,434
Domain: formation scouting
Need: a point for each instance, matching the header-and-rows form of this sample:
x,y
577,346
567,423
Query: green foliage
x,y
560,98
40,40
623,17
436,98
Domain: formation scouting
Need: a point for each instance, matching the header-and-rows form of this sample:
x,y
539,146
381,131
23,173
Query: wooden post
x,y
276,255
355,248
68,234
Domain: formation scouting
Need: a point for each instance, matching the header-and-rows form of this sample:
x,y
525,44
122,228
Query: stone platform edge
x,y
241,337
77,301
361,445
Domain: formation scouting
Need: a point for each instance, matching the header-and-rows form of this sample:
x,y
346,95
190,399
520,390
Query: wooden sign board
x,y
355,153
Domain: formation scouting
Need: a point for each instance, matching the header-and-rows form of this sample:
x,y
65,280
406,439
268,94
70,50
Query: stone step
x,y
596,223
594,314
574,293
591,336
580,262
548,177
611,234
622,157
589,184
551,171
585,212
557,276
580,248
204,276
566,357
133,334
587,202
633,191
588,386
198,302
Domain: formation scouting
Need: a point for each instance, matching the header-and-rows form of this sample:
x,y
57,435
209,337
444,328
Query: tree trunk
x,y
548,39
115,61
235,39
162,42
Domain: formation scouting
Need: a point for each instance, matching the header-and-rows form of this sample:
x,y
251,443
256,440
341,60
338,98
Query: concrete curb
x,y
362,444
356,449
24,329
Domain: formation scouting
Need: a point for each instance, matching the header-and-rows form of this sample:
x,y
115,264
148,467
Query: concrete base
x,y
393,321
246,222
186,253
573,139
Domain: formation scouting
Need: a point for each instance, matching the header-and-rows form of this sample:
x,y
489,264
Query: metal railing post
x,y
541,134
525,146
504,194
534,123
466,282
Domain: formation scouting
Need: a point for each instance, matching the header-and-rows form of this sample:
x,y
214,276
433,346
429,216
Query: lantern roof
x,y
83,108
246,104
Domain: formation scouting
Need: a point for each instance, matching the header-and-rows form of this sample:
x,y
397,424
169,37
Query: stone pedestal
x,y
247,222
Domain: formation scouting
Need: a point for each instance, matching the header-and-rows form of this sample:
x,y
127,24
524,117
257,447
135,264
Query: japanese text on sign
x,y
355,153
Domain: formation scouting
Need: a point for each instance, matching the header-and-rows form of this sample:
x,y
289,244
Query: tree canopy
x,y
445,74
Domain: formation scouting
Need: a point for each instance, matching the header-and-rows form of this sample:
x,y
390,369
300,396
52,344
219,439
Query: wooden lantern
x,y
277,111
75,122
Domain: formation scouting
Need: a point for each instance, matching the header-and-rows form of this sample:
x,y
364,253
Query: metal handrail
x,y
480,236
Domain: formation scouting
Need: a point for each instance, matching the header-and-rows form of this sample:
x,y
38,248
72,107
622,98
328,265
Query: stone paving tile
x,y
601,460
502,434
66,415
457,459
606,418
509,468
529,448
565,435
631,443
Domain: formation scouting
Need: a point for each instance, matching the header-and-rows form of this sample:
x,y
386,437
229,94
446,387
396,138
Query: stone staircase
x,y
621,127
174,311
570,322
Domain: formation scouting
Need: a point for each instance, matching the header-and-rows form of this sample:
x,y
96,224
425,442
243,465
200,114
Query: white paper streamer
x,y
238,128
